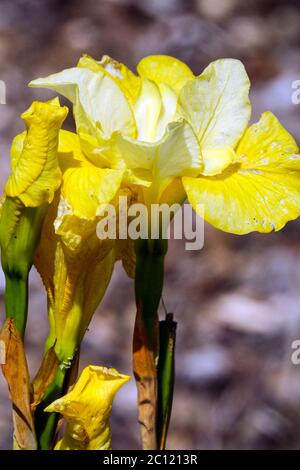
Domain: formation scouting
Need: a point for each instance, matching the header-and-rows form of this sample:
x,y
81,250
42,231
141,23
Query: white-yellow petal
x,y
217,104
147,109
177,154
167,115
101,99
86,189
215,160
127,80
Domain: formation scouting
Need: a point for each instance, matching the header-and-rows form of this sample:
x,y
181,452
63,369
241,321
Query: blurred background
x,y
237,301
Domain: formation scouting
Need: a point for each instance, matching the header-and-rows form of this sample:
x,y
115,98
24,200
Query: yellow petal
x,y
168,111
94,151
86,189
80,281
179,153
147,109
174,193
126,79
75,266
69,151
137,177
215,160
96,282
35,172
165,69
85,117
17,148
135,154
87,409
217,105
268,146
261,192
99,99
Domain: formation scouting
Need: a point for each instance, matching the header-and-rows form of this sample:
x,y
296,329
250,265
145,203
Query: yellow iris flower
x,y
166,125
87,409
129,122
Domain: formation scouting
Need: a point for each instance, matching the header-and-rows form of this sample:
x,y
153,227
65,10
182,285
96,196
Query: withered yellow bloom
x,y
74,263
35,172
34,178
87,409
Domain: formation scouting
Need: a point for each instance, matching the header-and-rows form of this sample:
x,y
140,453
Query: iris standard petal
x,y
165,69
217,105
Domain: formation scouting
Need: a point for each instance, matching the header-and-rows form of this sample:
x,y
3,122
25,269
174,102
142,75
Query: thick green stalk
x,y
149,278
16,300
20,230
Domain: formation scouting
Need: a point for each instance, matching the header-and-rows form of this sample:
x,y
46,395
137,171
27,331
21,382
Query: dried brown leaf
x,y
44,377
15,370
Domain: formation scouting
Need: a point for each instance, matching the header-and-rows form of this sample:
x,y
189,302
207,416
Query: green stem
x,y
166,374
46,423
149,279
16,300
20,230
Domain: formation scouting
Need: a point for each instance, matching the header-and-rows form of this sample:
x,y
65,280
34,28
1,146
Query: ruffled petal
x,y
126,79
177,154
217,105
87,189
97,97
261,192
215,160
165,69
